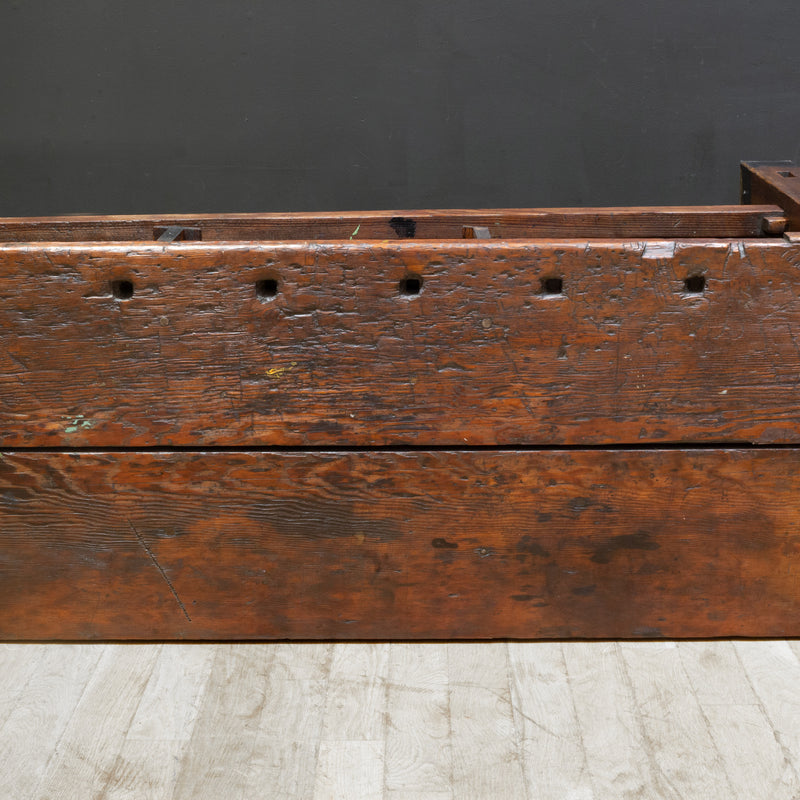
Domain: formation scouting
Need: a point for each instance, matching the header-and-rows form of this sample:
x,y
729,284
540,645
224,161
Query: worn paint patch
x,y
77,423
658,250
277,372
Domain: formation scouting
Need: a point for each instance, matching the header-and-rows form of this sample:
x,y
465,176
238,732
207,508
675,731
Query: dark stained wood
x,y
643,222
391,545
412,435
505,343
775,182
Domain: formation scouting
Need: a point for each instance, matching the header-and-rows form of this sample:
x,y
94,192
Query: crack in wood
x,y
160,569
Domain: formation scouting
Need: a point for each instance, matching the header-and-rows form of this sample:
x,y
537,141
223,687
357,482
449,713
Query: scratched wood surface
x,y
507,343
545,721
399,545
643,222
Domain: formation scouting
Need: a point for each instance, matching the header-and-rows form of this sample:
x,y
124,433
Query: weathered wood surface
x,y
628,350
404,721
773,182
643,222
392,545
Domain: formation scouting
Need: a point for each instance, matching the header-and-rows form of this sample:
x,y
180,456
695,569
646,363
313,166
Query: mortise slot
x,y
122,290
266,288
411,285
787,174
552,286
695,284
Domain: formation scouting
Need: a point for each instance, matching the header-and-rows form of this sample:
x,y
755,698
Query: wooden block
x,y
775,182
397,545
476,232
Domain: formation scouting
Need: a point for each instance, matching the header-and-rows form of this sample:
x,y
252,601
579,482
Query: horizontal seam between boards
x,y
611,447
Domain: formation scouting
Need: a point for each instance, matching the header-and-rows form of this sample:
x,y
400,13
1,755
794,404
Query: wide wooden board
x,y
507,343
395,545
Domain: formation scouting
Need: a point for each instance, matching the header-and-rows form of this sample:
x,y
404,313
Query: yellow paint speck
x,y
276,372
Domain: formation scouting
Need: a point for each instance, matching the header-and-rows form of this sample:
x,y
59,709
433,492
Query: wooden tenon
x,y
552,423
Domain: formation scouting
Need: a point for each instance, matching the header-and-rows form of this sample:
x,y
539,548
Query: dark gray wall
x,y
146,106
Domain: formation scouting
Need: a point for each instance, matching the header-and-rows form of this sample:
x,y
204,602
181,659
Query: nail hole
x,y
122,290
411,284
695,284
266,288
552,286
787,174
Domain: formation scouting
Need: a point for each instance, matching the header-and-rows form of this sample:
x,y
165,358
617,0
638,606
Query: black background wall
x,y
112,107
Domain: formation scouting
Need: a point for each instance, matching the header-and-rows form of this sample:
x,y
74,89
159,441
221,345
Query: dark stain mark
x,y
15,494
630,541
544,516
325,426
527,545
444,544
580,504
404,227
523,598
584,590
651,633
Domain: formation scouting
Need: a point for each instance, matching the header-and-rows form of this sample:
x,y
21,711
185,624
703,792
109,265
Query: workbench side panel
x,y
400,545
467,343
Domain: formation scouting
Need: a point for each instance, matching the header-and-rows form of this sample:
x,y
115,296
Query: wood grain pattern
x,y
254,726
623,352
775,182
393,545
630,222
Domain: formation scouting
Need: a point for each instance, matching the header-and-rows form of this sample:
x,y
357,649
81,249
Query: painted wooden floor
x,y
413,721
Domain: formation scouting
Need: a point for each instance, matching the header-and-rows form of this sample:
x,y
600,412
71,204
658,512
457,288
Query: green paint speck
x,y
77,422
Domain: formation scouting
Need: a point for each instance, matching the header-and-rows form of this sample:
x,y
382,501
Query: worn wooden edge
x,y
649,221
424,545
660,246
776,182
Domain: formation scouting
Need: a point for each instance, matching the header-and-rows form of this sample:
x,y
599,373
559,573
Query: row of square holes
x,y
267,288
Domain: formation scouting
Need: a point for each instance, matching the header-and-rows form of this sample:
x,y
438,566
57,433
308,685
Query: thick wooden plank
x,y
395,545
494,343
633,222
